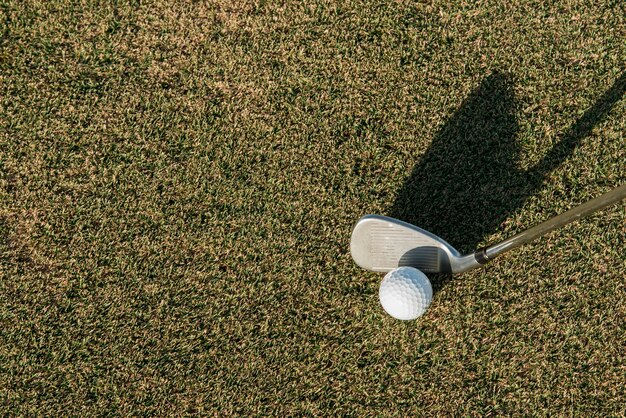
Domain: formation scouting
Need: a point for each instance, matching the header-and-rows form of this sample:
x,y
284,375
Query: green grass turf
x,y
178,182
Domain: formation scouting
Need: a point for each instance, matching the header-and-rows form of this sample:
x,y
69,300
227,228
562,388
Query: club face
x,y
382,244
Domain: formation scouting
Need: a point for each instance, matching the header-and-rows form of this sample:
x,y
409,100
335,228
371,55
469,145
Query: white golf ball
x,y
405,293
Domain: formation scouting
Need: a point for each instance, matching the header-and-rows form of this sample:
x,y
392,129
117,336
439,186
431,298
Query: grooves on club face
x,y
382,244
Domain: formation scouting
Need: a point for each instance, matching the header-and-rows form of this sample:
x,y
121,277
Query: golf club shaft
x,y
558,221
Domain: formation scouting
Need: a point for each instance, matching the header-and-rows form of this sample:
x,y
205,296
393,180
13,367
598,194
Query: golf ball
x,y
405,293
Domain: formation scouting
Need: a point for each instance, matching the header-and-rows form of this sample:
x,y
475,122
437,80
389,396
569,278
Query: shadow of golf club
x,y
466,184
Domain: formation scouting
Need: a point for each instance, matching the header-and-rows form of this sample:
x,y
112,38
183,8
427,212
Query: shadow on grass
x,y
467,183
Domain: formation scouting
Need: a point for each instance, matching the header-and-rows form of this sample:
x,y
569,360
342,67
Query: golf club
x,y
380,243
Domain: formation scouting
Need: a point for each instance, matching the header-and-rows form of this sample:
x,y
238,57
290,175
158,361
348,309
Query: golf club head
x,y
380,243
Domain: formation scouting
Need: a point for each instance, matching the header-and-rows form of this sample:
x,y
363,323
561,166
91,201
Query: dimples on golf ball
x,y
405,293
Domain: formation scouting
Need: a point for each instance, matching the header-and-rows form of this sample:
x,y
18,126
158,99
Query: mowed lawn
x,y
179,180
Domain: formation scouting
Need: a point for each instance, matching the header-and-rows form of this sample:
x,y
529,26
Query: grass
x,y
178,182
